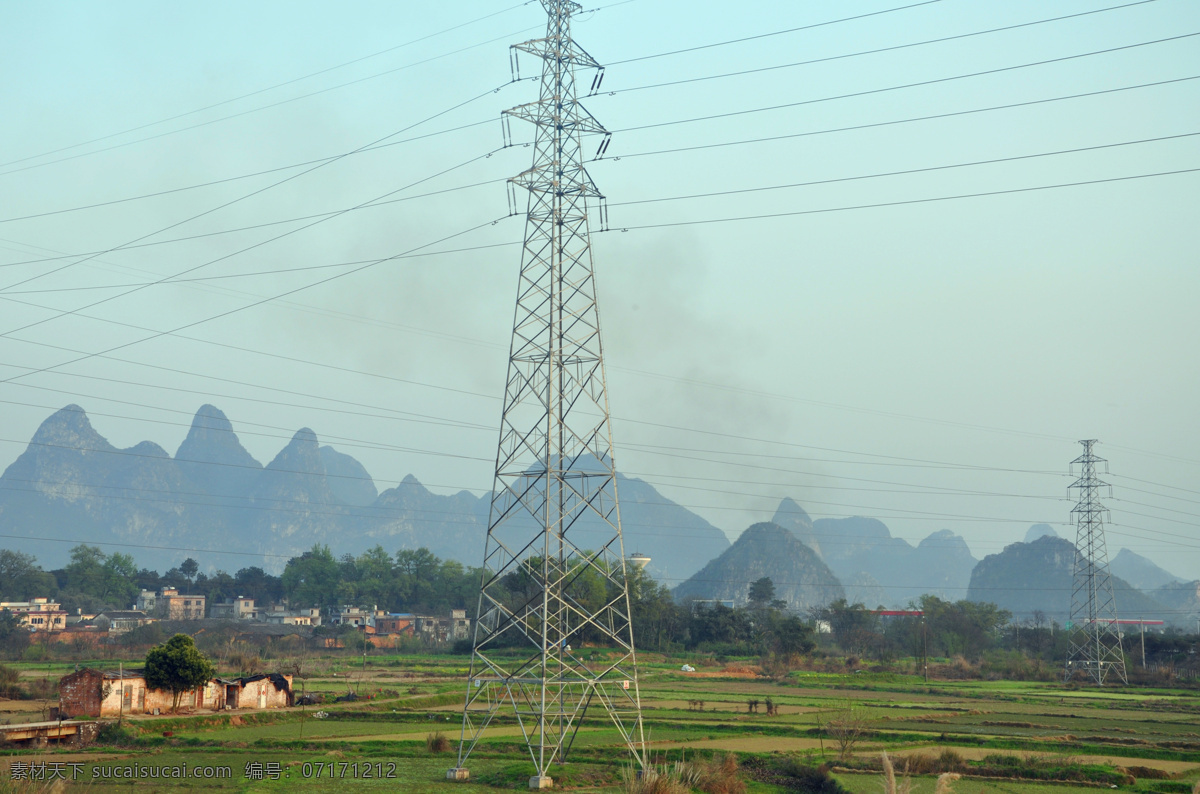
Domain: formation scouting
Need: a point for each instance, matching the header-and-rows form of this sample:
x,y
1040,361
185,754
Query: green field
x,y
1025,738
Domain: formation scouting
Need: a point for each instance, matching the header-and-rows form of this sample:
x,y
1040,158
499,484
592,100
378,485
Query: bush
x,y
437,743
718,776
34,653
9,688
115,733
809,779
721,777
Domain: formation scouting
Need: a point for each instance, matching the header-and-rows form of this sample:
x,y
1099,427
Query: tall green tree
x,y
416,571
376,577
178,666
109,578
312,579
762,592
189,568
21,578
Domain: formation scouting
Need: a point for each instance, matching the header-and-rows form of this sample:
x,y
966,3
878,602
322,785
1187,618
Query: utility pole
x,y
925,648
1094,643
1142,625
554,520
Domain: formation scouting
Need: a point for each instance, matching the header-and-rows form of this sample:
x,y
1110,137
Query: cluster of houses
x,y
42,614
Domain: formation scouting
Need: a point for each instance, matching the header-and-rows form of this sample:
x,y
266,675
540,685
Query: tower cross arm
x,y
565,50
574,117
541,180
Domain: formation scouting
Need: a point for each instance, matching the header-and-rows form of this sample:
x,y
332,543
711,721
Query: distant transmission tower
x,y
1095,639
554,560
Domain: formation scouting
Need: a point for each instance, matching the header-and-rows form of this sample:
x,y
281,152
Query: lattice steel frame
x,y
1095,640
554,464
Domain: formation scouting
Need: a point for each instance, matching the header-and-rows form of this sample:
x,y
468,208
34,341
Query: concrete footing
x,y
540,782
458,773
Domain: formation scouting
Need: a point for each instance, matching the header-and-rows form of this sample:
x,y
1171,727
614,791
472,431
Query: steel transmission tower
x,y
1095,640
554,561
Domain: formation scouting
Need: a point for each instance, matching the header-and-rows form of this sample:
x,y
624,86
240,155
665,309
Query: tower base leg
x,y
458,773
540,782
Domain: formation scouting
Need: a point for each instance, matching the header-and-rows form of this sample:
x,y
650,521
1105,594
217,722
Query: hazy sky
x,y
929,362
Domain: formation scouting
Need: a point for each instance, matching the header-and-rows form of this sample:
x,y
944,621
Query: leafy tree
x,y
85,572
762,592
963,627
218,587
21,578
14,638
416,571
189,568
254,582
119,573
177,665
108,578
788,636
312,578
376,576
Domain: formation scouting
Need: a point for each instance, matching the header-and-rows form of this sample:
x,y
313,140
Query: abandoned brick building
x,y
99,693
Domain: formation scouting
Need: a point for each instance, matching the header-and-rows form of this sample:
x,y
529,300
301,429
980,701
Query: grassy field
x,y
1024,738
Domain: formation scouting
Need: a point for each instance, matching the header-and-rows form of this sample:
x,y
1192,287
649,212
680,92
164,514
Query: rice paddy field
x,y
1023,738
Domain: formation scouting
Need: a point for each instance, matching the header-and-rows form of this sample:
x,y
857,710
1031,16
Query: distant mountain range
x,y
71,486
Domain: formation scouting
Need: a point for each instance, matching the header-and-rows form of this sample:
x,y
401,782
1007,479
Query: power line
x,y
902,487
286,101
235,201
908,513
386,512
474,124
875,51
373,204
907,202
226,180
969,467
227,256
244,307
4,294
910,120
759,36
905,172
918,84
264,107
256,92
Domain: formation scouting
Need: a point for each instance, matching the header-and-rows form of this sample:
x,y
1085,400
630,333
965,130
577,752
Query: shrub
x,y
721,777
115,733
810,779
9,688
651,780
437,743
718,776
